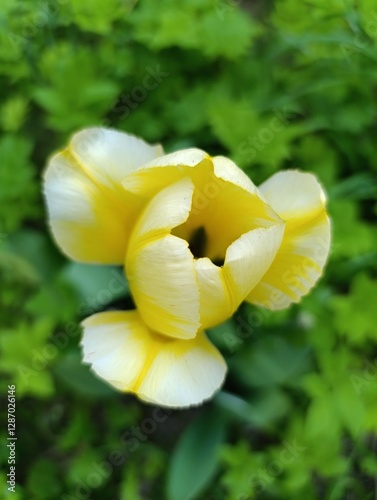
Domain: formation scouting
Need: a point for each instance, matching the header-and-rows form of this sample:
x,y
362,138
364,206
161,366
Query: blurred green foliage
x,y
275,84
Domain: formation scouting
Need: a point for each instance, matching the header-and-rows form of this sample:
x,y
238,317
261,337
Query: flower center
x,y
220,213
198,245
197,242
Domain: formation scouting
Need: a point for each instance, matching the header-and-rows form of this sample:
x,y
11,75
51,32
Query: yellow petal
x,y
168,209
299,200
216,304
227,170
222,289
155,175
249,257
90,214
108,155
160,266
225,201
235,209
167,372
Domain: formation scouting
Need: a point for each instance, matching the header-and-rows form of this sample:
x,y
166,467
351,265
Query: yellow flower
x,y
202,243
196,237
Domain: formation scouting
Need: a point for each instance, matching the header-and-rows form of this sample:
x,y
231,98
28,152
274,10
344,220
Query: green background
x,y
297,417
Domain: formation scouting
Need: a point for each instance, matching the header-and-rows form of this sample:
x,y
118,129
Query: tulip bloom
x,y
196,238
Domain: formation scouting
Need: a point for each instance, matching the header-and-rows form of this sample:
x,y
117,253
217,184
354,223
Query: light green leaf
x,y
355,313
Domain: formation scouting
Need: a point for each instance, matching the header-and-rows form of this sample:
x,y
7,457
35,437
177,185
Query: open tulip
x,y
196,238
202,243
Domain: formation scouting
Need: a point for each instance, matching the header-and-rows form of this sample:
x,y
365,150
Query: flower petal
x,y
222,289
160,266
168,209
158,173
249,257
85,223
227,170
85,200
216,304
161,370
298,198
108,155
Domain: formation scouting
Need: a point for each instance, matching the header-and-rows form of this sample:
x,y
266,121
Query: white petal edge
x,y
108,155
300,200
137,181
228,171
292,193
87,225
191,378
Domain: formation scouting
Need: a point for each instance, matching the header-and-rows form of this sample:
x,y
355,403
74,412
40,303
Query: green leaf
x,y
355,313
79,378
196,457
358,187
272,362
352,236
71,102
27,355
37,249
18,188
20,268
242,467
84,464
97,16
56,300
13,113
239,408
43,472
130,483
314,154
96,285
252,137
218,31
261,411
